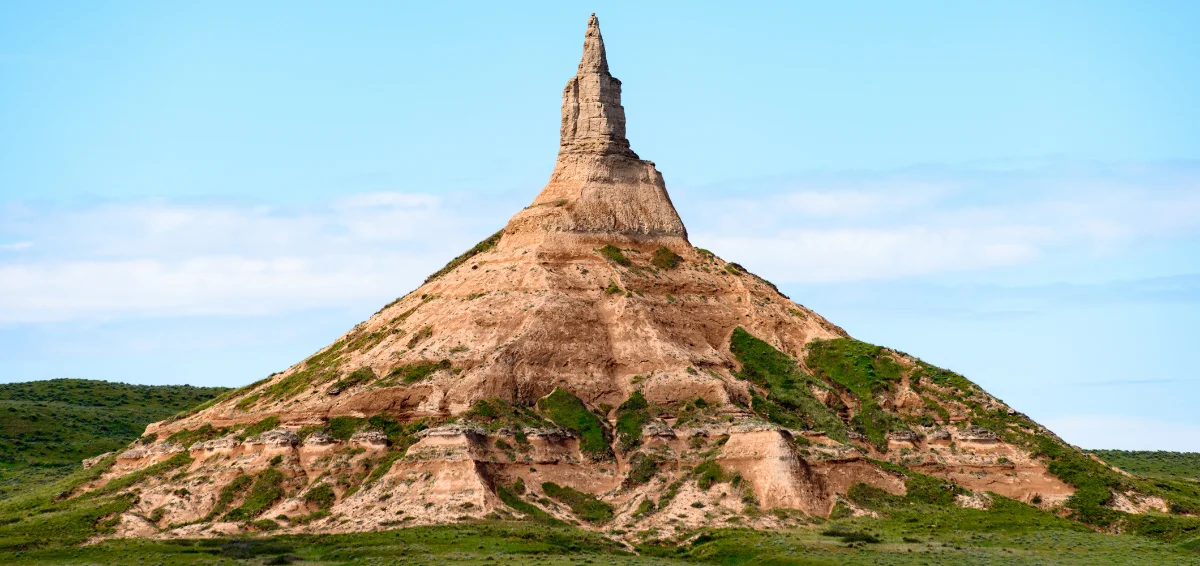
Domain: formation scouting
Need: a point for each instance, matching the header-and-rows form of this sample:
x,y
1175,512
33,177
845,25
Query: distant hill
x,y
47,427
1156,464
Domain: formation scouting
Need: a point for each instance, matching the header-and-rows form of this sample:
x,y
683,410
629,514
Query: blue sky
x,y
207,193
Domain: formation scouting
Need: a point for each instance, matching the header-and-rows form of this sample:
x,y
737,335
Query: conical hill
x,y
588,364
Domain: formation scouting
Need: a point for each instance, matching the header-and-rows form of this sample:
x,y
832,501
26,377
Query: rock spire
x,y
599,188
593,120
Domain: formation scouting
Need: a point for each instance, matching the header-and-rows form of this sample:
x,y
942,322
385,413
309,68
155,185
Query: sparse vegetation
x,y
269,423
413,373
495,414
361,375
319,367
664,258
632,415
487,244
614,254
642,468
584,505
567,411
419,336
320,496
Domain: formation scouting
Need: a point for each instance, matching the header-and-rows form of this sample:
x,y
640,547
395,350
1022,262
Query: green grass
x,y
567,411
409,374
789,400
48,427
614,254
664,258
361,375
318,368
583,505
320,496
269,423
267,489
511,498
1154,464
708,473
642,468
228,493
115,485
632,415
487,244
864,370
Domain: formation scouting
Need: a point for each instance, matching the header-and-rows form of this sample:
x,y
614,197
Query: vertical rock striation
x,y
599,187
593,120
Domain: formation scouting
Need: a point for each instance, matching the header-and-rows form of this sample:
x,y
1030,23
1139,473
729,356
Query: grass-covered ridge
x,y
48,427
865,370
1155,464
483,246
789,400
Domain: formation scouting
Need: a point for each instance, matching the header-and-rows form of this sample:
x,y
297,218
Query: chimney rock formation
x,y
588,344
599,187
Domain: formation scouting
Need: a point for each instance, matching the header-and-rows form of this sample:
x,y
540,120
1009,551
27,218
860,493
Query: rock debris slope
x,y
585,364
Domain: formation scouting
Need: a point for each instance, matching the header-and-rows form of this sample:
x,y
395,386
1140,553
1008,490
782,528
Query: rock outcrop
x,y
587,345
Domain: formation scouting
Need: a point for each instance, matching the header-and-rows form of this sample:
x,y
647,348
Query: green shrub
x,y
342,428
613,254
228,493
642,468
321,496
584,505
413,373
664,258
269,423
495,414
531,511
632,415
361,375
708,473
186,438
865,370
267,489
567,411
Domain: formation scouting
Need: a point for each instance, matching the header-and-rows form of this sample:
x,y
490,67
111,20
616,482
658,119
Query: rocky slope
x,y
587,364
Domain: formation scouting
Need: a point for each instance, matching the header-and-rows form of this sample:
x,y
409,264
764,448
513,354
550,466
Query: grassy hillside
x,y
1156,464
48,427
80,418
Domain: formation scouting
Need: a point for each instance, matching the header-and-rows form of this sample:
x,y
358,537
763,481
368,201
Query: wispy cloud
x,y
884,226
162,258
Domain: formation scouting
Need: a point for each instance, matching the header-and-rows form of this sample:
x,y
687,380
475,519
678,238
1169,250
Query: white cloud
x,y
155,258
1126,433
160,258
951,222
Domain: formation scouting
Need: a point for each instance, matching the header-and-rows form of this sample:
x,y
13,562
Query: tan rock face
x,y
599,186
593,120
